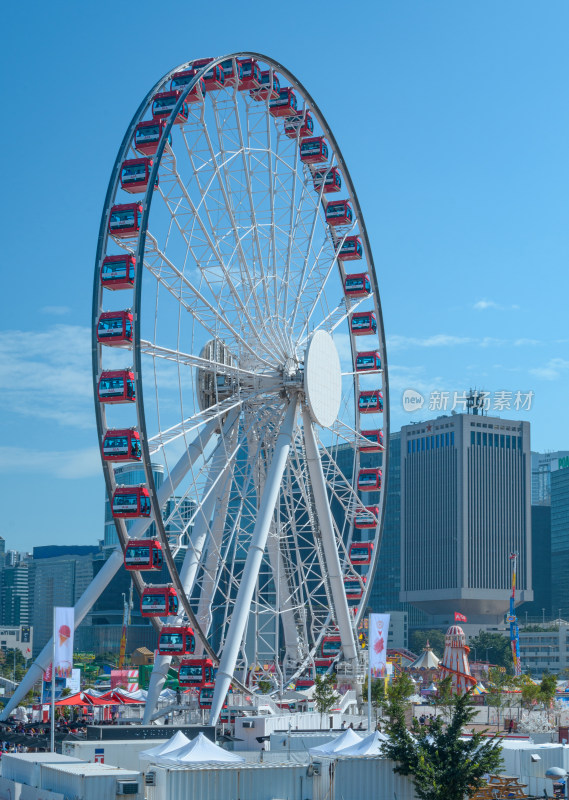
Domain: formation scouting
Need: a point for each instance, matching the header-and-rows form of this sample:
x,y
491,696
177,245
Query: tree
x,y
436,639
546,690
497,646
324,694
264,686
498,682
442,765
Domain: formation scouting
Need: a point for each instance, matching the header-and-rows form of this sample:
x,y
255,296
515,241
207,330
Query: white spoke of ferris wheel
x,y
191,308
335,317
185,427
220,464
353,436
266,316
188,359
178,472
253,560
263,319
326,523
321,290
192,207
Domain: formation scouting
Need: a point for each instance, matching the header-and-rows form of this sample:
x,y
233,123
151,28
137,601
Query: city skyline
x,y
460,169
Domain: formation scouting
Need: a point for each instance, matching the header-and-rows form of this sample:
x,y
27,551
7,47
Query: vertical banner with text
x,y
378,633
64,626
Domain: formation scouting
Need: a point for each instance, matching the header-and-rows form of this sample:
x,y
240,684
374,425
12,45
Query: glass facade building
x,y
560,543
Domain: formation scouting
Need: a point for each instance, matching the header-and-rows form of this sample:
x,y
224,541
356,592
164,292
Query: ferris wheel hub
x,y
323,378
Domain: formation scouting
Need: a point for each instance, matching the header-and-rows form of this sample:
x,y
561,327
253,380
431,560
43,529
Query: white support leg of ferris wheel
x,y
85,602
285,603
211,564
213,490
111,567
326,525
253,561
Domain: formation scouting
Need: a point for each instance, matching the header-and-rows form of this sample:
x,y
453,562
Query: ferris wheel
x,y
240,379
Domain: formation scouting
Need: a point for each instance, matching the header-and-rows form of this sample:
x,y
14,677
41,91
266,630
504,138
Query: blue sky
x,y
454,121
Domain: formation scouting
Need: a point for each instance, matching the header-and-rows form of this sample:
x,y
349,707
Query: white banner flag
x,y
64,626
378,633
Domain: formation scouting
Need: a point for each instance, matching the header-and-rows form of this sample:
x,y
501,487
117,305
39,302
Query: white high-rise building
x,y
465,507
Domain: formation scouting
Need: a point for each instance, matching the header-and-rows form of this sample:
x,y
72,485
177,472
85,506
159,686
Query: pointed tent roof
x,y
369,746
200,750
427,659
346,739
178,740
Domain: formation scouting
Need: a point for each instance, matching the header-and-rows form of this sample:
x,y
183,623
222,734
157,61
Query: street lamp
x,y
487,649
475,656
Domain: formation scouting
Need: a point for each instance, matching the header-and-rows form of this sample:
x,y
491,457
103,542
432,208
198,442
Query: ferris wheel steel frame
x,y
204,428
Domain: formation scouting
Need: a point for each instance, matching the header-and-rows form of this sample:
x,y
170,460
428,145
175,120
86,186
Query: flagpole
x,y
368,674
53,687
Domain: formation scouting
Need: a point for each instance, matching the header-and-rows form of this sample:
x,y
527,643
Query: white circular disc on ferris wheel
x,y
323,379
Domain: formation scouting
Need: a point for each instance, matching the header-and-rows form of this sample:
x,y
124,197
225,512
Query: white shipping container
x,y
250,781
116,752
25,767
89,781
370,776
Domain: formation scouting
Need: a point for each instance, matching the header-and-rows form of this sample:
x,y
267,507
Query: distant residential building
x,y
465,507
541,467
398,636
560,539
19,637
546,650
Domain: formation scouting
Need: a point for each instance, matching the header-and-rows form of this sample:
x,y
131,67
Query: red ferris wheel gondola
x,y
176,640
121,444
116,386
142,555
195,672
158,601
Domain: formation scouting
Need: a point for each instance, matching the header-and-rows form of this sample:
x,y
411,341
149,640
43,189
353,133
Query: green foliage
x,y
547,689
418,641
400,690
264,686
539,628
324,694
443,767
12,657
498,648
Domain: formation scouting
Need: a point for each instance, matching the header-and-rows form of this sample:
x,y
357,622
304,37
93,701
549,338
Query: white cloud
x,y
47,374
484,305
552,370
397,342
65,464
56,311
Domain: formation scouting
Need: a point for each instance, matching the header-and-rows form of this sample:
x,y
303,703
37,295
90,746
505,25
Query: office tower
x,y
465,507
560,538
15,594
540,566
541,466
60,576
2,551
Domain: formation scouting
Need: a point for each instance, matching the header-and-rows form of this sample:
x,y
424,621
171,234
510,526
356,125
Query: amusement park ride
x,y
233,346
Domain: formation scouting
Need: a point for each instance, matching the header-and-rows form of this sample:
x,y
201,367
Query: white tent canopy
x,y
177,741
200,750
346,739
369,746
